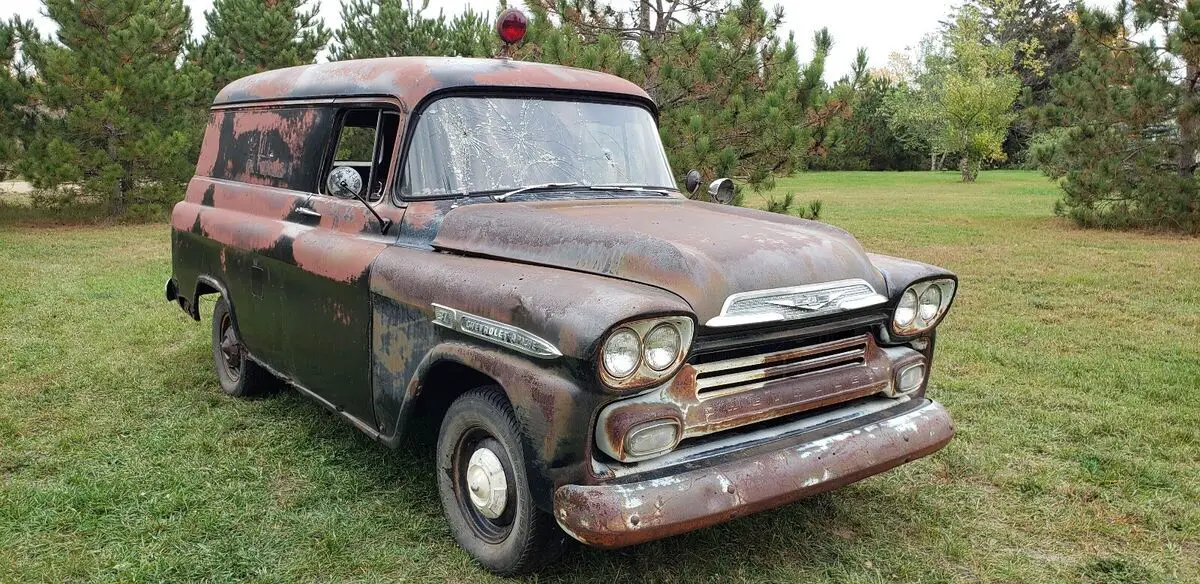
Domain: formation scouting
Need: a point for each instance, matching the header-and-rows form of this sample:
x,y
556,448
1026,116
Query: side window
x,y
365,141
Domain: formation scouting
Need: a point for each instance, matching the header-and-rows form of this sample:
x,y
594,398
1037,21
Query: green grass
x,y
1071,363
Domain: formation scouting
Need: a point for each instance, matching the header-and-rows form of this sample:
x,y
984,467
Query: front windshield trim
x,y
580,96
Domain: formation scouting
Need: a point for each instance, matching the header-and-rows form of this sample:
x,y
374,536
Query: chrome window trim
x,y
839,304
505,335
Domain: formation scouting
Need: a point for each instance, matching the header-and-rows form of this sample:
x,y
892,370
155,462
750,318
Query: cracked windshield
x,y
487,145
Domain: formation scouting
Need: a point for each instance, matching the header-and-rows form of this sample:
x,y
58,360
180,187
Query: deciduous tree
x,y
963,101
914,107
1041,35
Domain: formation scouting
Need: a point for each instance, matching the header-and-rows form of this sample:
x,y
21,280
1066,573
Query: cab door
x,y
327,304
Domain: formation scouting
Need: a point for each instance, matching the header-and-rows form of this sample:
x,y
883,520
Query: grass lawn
x,y
1071,363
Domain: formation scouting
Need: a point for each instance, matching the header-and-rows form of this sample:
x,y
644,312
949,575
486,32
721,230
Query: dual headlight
x,y
922,306
645,352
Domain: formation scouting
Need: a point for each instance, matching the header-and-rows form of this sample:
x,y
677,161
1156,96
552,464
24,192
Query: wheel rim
x,y
484,485
230,349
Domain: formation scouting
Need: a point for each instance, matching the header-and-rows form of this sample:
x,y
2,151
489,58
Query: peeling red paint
x,y
337,258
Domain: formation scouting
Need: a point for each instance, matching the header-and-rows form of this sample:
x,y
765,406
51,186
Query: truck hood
x,y
703,252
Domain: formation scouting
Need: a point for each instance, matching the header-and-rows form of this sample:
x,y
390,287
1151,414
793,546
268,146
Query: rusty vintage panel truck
x,y
496,252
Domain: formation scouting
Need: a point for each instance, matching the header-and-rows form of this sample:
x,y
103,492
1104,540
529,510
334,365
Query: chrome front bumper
x,y
639,510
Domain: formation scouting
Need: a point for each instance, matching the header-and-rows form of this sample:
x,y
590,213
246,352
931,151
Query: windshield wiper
x,y
541,187
629,188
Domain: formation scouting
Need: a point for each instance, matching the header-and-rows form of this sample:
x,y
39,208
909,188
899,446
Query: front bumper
x,y
616,515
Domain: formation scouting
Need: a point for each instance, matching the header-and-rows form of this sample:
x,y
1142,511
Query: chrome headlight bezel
x,y
918,324
644,375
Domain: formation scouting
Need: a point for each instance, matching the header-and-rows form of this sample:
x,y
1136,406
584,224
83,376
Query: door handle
x,y
307,211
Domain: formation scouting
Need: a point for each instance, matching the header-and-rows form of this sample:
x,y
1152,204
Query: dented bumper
x,y
641,510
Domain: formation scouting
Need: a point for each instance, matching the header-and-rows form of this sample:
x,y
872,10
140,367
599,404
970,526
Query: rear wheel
x,y
485,490
239,375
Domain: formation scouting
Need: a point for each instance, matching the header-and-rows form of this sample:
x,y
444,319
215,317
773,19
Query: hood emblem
x,y
806,303
782,304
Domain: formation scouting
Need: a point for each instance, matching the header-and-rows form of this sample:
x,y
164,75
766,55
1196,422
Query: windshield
x,y
484,145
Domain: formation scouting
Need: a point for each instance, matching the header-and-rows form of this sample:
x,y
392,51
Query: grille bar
x,y
739,374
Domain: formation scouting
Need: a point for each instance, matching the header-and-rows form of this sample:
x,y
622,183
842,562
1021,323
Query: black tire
x,y
523,538
239,375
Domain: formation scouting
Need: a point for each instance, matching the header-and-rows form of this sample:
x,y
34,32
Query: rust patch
x,y
265,203
411,79
207,161
555,77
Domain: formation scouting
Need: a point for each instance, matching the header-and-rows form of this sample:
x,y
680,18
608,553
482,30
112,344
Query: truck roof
x,y
411,79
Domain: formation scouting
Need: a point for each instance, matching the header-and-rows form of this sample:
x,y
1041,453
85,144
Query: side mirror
x,y
344,182
721,191
692,182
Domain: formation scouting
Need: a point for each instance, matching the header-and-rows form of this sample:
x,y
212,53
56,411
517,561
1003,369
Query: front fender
x,y
555,399
900,273
571,310
554,412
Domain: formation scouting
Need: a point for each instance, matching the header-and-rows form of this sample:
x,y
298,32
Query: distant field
x,y
1071,364
15,192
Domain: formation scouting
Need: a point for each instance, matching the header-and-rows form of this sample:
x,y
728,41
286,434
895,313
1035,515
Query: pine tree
x,y
734,99
120,118
863,140
397,28
249,36
1131,113
15,111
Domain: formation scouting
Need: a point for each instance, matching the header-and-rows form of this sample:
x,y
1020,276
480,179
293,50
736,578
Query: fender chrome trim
x,y
505,335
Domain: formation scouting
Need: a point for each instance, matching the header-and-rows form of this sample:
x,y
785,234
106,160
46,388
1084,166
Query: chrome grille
x,y
747,373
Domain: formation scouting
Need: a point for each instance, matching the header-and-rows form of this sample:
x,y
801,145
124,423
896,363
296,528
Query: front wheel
x,y
485,490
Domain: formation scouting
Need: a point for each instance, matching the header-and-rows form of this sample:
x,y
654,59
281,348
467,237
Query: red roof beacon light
x,y
511,25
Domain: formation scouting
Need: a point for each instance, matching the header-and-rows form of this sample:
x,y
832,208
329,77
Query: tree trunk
x,y
1187,124
965,166
644,16
933,162
117,204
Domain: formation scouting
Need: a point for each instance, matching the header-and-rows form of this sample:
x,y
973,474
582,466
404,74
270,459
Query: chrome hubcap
x,y
486,484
